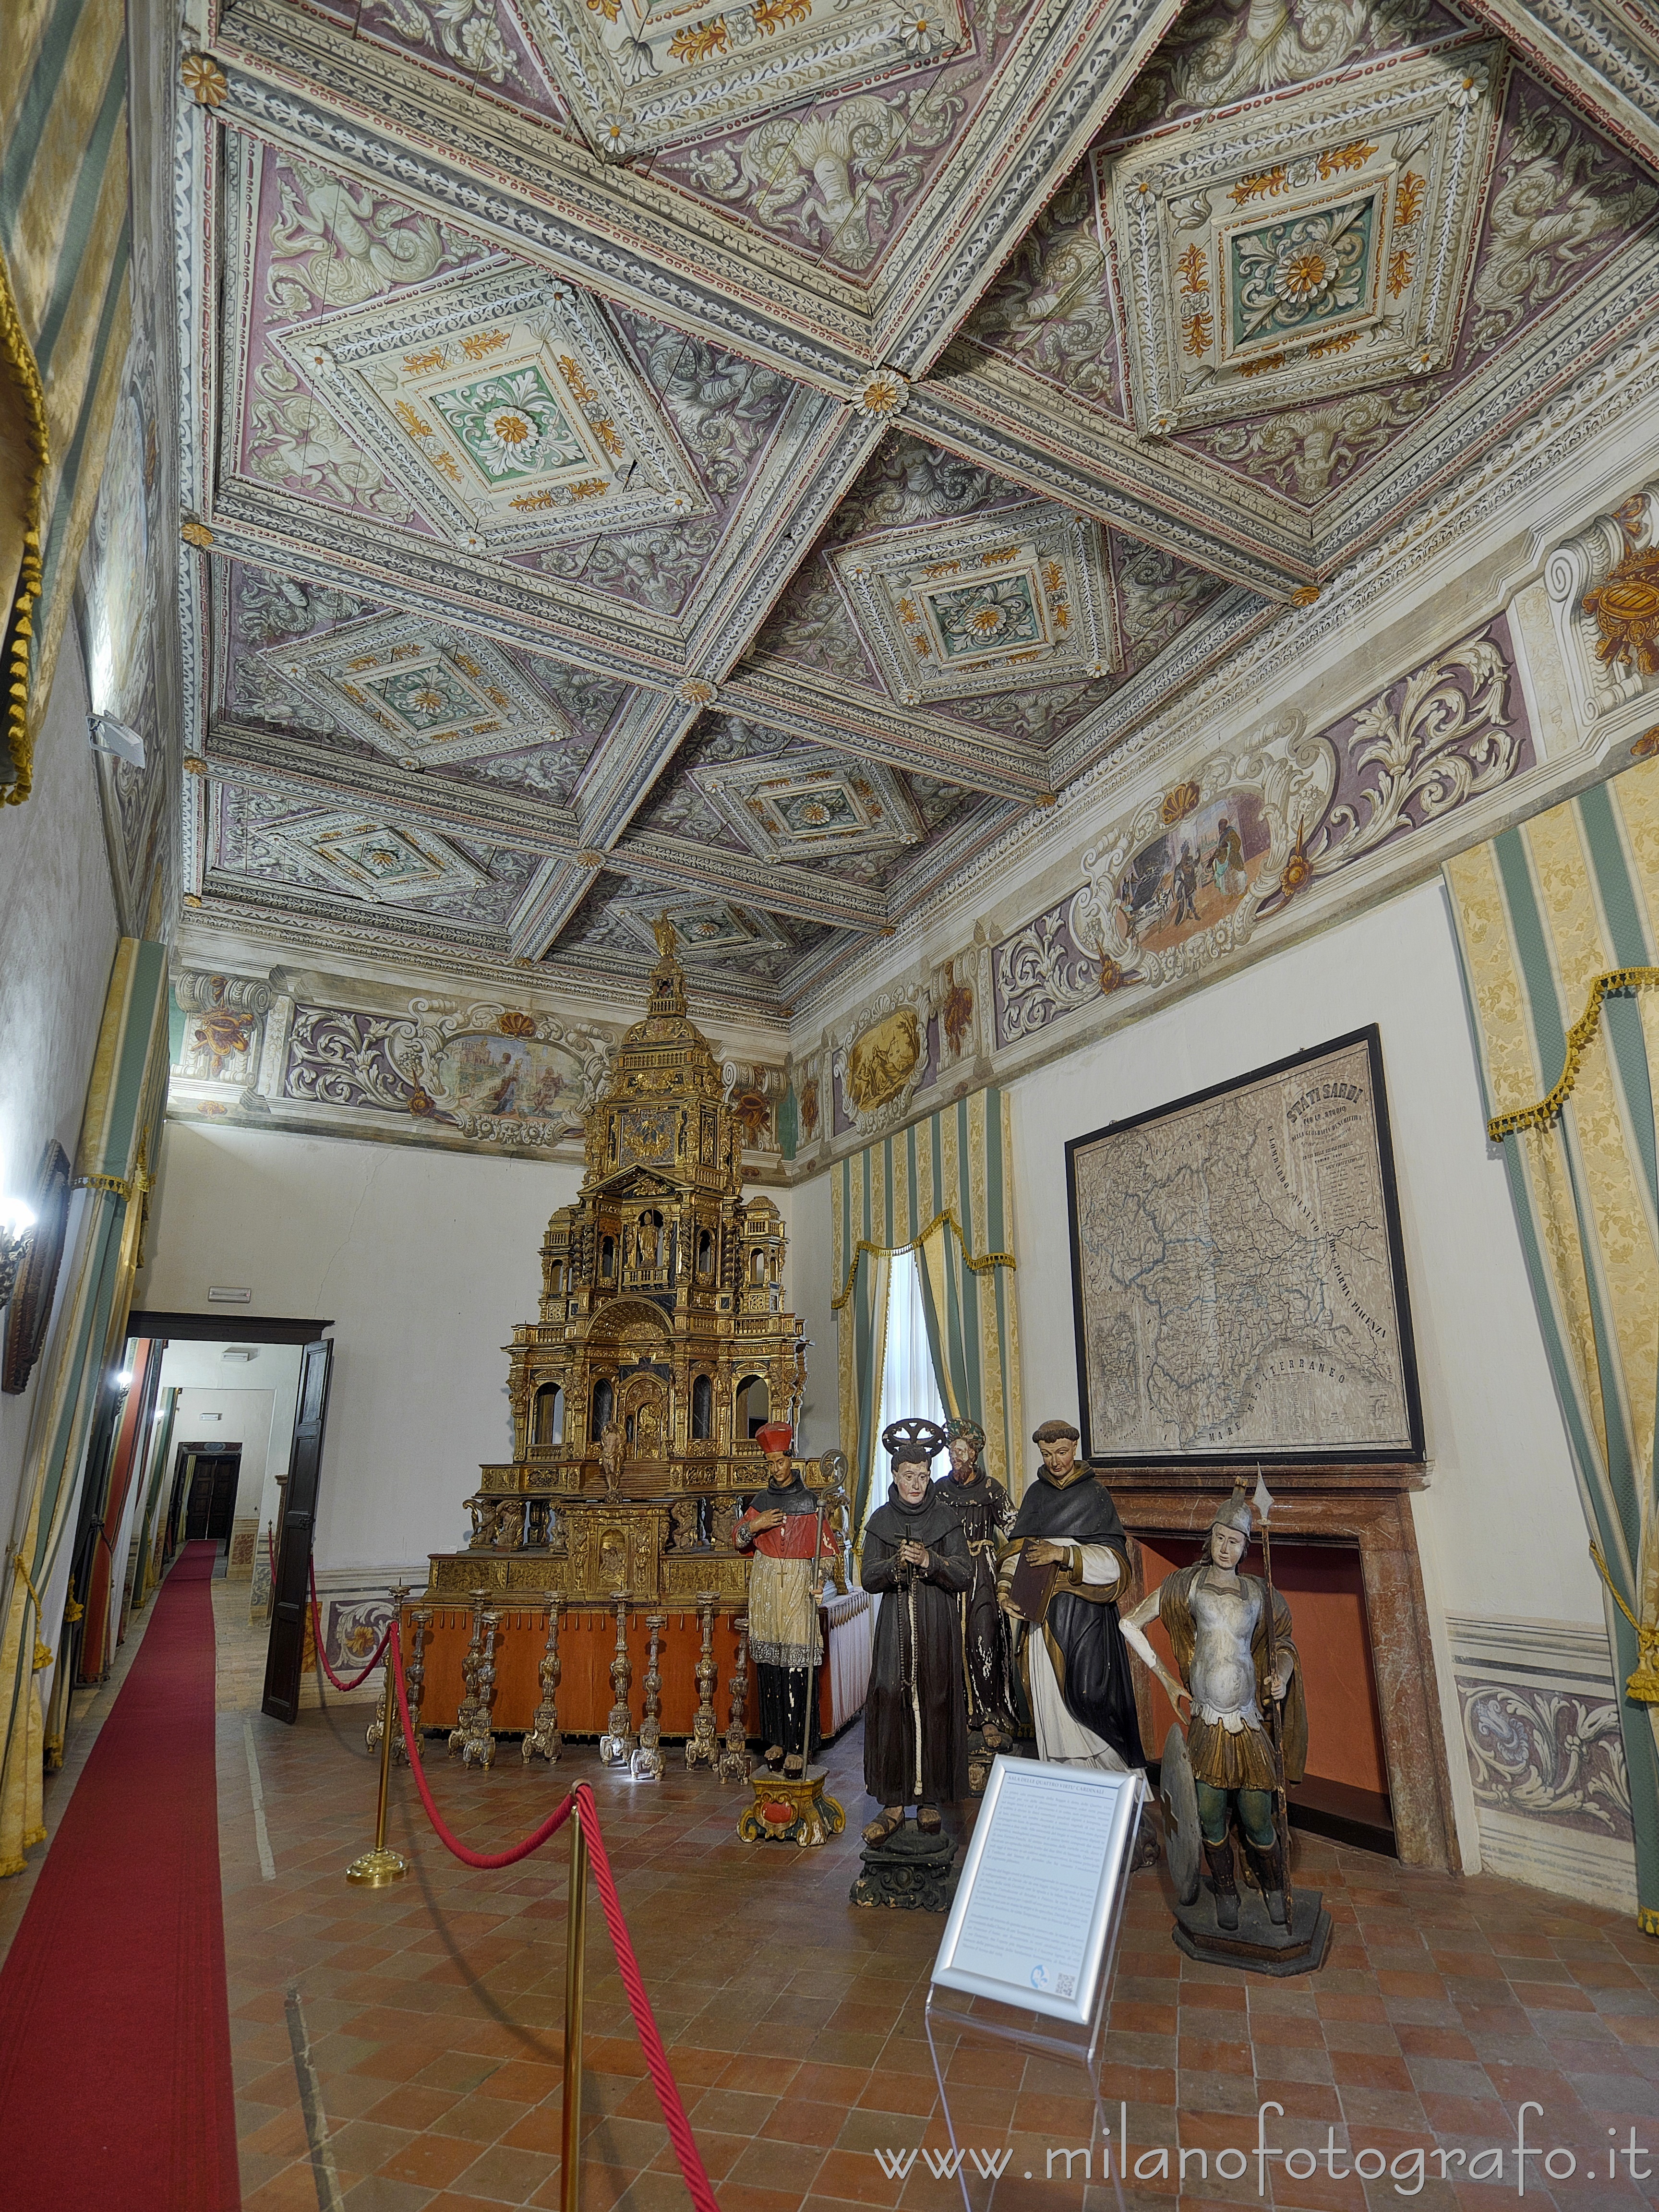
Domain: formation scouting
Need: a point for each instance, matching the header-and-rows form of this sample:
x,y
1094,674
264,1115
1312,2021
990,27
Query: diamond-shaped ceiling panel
x,y
1017,596
504,407
1318,246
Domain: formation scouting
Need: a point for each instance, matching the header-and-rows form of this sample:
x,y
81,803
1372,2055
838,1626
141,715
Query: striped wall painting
x,y
944,1187
1555,916
65,320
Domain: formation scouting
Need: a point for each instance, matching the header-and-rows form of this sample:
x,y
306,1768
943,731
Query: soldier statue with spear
x,y
1247,1725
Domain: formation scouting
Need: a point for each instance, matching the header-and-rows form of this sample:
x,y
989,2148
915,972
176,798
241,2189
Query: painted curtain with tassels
x,y
65,318
120,1131
943,1187
1558,921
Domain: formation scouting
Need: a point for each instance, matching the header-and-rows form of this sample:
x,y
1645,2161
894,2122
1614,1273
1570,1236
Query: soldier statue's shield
x,y
1183,1844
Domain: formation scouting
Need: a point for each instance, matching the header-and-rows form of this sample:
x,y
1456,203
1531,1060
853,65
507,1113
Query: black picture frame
x,y
1410,1453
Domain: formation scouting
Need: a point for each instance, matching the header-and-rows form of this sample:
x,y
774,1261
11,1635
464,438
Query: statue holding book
x,y
1066,1563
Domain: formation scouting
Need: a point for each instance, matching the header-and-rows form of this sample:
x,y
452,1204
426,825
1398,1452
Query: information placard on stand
x,y
1028,1951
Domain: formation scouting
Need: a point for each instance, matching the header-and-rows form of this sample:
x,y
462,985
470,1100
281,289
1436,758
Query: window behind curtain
x,y
908,1384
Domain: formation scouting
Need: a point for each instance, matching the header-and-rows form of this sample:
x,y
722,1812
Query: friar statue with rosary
x,y
915,1718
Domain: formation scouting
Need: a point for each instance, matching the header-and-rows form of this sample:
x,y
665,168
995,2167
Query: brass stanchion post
x,y
375,1869
575,1947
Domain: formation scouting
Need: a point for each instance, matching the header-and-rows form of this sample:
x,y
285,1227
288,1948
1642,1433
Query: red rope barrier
x,y
550,1827
656,2058
581,1800
357,1680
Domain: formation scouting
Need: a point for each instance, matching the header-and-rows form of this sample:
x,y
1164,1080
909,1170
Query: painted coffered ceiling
x,y
740,459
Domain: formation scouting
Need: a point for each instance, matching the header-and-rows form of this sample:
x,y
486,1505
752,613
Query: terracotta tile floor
x,y
794,2020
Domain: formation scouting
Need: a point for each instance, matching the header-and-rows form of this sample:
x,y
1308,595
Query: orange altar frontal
x,y
587,1645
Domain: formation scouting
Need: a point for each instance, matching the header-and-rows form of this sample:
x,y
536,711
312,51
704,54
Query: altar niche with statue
x,y
660,1349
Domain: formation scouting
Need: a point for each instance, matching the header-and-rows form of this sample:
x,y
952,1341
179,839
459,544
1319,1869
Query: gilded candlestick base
x,y
374,1869
789,1811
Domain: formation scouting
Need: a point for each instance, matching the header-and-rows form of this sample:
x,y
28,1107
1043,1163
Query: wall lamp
x,y
16,1227
117,739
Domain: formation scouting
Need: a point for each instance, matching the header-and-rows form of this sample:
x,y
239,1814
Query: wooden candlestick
x,y
371,1733
415,1685
616,1744
736,1764
648,1760
480,1744
542,1734
702,1746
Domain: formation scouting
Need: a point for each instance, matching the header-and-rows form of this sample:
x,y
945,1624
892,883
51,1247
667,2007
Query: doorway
x,y
211,1474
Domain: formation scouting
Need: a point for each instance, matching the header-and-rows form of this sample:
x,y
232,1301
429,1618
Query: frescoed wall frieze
x,y
473,1074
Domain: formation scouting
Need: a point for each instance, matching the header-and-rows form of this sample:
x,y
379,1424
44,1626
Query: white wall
x,y
423,1260
253,1400
1500,1524
57,934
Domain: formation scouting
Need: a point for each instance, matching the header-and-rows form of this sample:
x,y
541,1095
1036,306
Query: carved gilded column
x,y
467,1709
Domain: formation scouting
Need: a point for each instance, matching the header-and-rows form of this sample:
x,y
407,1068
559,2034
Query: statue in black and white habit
x,y
915,1720
1074,1662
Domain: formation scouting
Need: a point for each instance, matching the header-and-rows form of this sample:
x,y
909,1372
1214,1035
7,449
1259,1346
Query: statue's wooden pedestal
x,y
790,1812
1256,1945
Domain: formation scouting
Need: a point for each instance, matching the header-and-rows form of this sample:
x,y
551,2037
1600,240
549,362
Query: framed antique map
x,y
1238,1275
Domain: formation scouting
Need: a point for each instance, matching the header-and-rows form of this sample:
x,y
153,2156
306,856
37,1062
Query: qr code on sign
x,y
1066,1985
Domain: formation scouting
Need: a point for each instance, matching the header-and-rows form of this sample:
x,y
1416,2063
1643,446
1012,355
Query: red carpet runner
x,y
115,2083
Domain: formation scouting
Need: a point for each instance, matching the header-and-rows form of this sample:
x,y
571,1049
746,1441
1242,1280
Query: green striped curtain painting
x,y
120,1132
942,1186
65,320
1558,922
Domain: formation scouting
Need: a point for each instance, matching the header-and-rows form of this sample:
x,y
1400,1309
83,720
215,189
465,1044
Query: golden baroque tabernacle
x,y
661,1347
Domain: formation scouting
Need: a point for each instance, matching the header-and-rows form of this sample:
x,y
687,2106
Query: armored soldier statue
x,y
1221,1626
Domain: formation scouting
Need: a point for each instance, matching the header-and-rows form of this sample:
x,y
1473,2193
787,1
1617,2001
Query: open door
x,y
290,1585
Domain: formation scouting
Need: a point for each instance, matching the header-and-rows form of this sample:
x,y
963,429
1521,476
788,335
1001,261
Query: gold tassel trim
x,y
1647,1919
1580,1037
982,1266
17,359
1643,1686
43,1655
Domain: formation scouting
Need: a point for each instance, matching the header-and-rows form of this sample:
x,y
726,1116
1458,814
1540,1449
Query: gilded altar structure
x,y
661,1347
